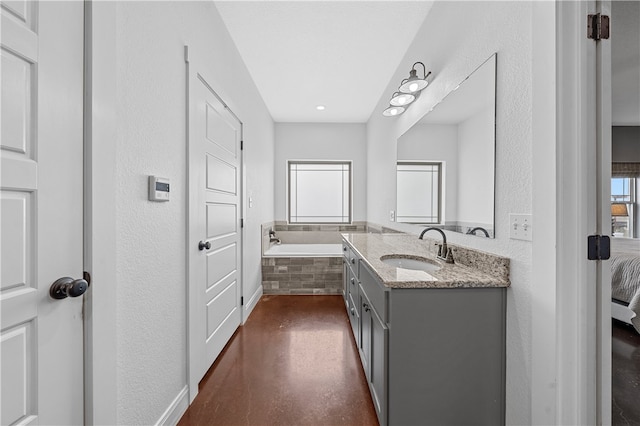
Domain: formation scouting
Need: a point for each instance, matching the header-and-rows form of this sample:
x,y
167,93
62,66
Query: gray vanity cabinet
x,y
374,338
432,356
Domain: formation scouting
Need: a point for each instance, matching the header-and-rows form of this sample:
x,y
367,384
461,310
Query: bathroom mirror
x,y
446,161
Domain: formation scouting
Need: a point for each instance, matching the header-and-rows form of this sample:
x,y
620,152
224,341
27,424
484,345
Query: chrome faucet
x,y
444,252
272,237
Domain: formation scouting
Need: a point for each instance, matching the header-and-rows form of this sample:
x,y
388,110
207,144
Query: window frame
x,y
348,163
631,204
440,166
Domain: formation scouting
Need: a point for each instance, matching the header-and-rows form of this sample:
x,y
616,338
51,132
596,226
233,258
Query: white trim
x,y
253,301
543,271
176,409
99,213
577,186
603,222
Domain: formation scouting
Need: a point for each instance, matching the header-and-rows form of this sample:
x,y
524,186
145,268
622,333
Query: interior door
x,y
41,211
214,224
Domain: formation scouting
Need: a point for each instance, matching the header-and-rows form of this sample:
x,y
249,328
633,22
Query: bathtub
x,y
302,269
304,250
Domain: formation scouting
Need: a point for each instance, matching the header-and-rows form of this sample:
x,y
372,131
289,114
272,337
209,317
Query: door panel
x,y
18,390
222,220
16,227
220,131
220,308
221,263
221,176
41,210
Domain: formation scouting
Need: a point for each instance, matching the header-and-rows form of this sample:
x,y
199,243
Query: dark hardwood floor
x,y
625,384
294,362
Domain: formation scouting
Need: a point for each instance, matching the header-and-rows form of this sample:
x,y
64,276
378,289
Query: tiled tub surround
x,y
302,275
472,268
306,275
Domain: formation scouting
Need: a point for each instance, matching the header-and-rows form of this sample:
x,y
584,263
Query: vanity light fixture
x,y
401,99
414,83
393,111
408,91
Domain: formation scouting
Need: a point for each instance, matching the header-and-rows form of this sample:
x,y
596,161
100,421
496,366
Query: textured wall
x,y
455,38
151,265
321,141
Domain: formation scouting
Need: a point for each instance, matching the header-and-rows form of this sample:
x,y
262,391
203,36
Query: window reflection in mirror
x,y
459,135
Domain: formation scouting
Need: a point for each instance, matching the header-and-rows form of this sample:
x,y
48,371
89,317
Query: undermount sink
x,y
413,264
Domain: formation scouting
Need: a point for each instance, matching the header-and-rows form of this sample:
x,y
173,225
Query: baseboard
x,y
176,409
253,301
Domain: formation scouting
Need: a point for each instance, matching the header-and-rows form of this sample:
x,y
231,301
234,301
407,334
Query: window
x,y
419,187
623,198
319,192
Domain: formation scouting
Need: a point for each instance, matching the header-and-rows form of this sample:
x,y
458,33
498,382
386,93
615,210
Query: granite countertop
x,y
473,268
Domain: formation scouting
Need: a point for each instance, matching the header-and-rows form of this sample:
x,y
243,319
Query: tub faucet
x,y
272,237
444,252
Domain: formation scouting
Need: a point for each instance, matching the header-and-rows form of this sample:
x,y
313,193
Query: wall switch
x,y
520,227
250,202
392,215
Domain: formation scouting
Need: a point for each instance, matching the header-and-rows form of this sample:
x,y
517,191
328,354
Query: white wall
x,y
455,38
150,258
475,169
435,142
321,141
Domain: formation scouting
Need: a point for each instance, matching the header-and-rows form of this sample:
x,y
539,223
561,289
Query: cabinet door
x,y
345,282
378,365
354,319
365,334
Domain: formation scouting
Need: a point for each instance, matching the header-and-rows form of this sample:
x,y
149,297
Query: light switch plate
x,y
520,227
392,215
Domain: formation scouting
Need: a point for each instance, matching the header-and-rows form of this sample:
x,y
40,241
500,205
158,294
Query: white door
x,y
41,211
214,224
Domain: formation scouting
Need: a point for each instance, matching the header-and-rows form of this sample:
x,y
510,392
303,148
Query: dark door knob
x,y
68,287
202,245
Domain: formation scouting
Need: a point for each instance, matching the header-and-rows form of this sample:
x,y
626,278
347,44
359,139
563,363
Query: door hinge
x,y
241,145
598,247
241,300
241,223
598,27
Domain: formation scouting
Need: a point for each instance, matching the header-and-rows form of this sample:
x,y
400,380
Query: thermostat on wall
x,y
158,188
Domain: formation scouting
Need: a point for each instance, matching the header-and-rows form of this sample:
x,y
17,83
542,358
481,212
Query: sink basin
x,y
411,263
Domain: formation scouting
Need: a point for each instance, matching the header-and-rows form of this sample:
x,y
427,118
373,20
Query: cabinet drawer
x,y
351,258
345,251
375,292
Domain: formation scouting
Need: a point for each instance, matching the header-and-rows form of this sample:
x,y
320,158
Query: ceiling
x,y
340,54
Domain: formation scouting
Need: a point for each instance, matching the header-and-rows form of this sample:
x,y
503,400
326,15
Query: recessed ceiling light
x,y
320,107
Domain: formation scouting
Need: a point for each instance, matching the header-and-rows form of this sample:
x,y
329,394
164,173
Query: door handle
x,y
68,287
204,245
